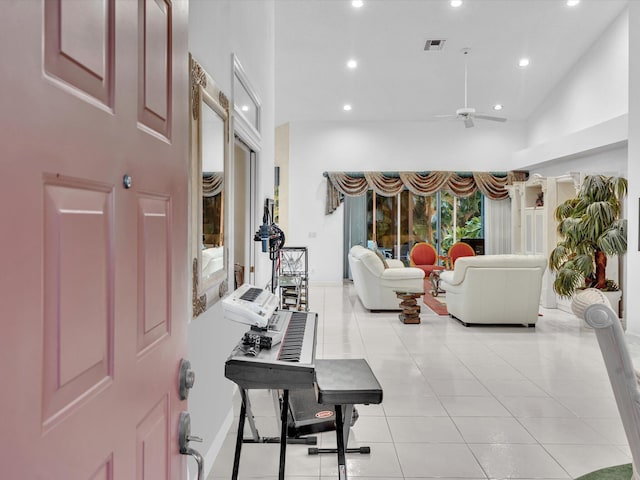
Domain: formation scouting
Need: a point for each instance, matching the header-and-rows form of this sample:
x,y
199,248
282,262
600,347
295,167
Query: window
x,y
397,223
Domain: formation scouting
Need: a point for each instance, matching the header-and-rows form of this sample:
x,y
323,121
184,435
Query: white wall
x,y
633,255
216,30
594,90
587,112
414,146
610,161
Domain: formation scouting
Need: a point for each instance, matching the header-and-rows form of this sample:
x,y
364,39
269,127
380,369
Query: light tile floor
x,y
480,402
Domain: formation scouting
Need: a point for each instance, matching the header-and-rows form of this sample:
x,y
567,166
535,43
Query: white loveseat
x,y
495,289
375,284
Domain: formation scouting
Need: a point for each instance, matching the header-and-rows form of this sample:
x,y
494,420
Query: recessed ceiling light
x,y
357,3
572,3
523,62
244,108
347,108
352,64
497,106
456,3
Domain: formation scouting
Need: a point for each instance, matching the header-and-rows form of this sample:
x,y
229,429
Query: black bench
x,y
345,383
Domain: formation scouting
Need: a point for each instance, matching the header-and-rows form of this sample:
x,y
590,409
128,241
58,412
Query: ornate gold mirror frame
x,y
209,178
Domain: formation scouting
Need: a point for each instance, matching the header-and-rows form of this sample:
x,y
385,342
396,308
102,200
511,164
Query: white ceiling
x,y
396,80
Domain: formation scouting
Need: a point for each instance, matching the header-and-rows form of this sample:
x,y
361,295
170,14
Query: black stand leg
x,y
236,457
255,435
342,463
283,432
347,413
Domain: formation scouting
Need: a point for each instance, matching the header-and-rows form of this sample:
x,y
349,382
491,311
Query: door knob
x,y
184,437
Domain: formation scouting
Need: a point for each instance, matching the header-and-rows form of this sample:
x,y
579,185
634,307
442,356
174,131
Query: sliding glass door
x,y
396,223
382,222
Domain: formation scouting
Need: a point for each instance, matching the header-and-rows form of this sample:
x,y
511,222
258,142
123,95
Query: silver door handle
x,y
184,437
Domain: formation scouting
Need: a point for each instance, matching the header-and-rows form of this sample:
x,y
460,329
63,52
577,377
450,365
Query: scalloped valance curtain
x,y
212,183
492,185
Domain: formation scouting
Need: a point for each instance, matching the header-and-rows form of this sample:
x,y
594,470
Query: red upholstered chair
x,y
424,257
457,250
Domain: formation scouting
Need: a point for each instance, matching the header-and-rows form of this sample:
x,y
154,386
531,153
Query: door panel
x,y
79,45
154,278
78,293
154,67
152,452
95,274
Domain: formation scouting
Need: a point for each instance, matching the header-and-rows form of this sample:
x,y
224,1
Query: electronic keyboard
x,y
289,365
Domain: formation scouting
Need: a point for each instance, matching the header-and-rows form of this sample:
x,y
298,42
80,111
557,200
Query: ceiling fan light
x,y
347,108
572,3
524,62
352,64
497,106
357,3
455,3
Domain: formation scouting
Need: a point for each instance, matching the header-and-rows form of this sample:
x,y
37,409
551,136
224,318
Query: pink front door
x,y
93,279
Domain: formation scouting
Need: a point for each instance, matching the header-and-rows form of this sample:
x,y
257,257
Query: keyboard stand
x,y
246,413
289,367
343,383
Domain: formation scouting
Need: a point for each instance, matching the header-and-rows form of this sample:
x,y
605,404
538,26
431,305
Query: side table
x,y
409,305
434,278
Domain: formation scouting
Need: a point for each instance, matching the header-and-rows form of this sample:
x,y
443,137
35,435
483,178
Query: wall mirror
x,y
209,178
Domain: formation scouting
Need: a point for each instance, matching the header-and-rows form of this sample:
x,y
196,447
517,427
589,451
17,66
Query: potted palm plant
x,y
590,228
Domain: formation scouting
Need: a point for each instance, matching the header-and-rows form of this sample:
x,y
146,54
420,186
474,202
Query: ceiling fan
x,y
468,114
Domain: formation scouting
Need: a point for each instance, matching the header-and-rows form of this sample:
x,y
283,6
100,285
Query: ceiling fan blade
x,y
490,117
468,123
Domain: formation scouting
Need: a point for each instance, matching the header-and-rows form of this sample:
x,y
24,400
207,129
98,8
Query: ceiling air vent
x,y
434,44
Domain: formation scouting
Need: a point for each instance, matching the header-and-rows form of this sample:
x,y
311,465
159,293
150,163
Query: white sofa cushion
x,y
368,259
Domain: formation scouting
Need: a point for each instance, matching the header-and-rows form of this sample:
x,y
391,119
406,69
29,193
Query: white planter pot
x,y
614,299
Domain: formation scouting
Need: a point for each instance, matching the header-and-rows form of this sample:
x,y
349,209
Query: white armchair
x,y
622,374
495,289
375,284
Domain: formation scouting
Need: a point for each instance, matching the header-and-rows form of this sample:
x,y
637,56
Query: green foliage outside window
x,y
422,224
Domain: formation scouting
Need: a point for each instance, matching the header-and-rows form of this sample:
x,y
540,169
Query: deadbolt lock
x,y
186,380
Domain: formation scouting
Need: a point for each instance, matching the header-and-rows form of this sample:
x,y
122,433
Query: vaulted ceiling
x,y
397,80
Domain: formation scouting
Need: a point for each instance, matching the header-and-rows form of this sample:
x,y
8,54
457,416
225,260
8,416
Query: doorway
x,y
245,213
